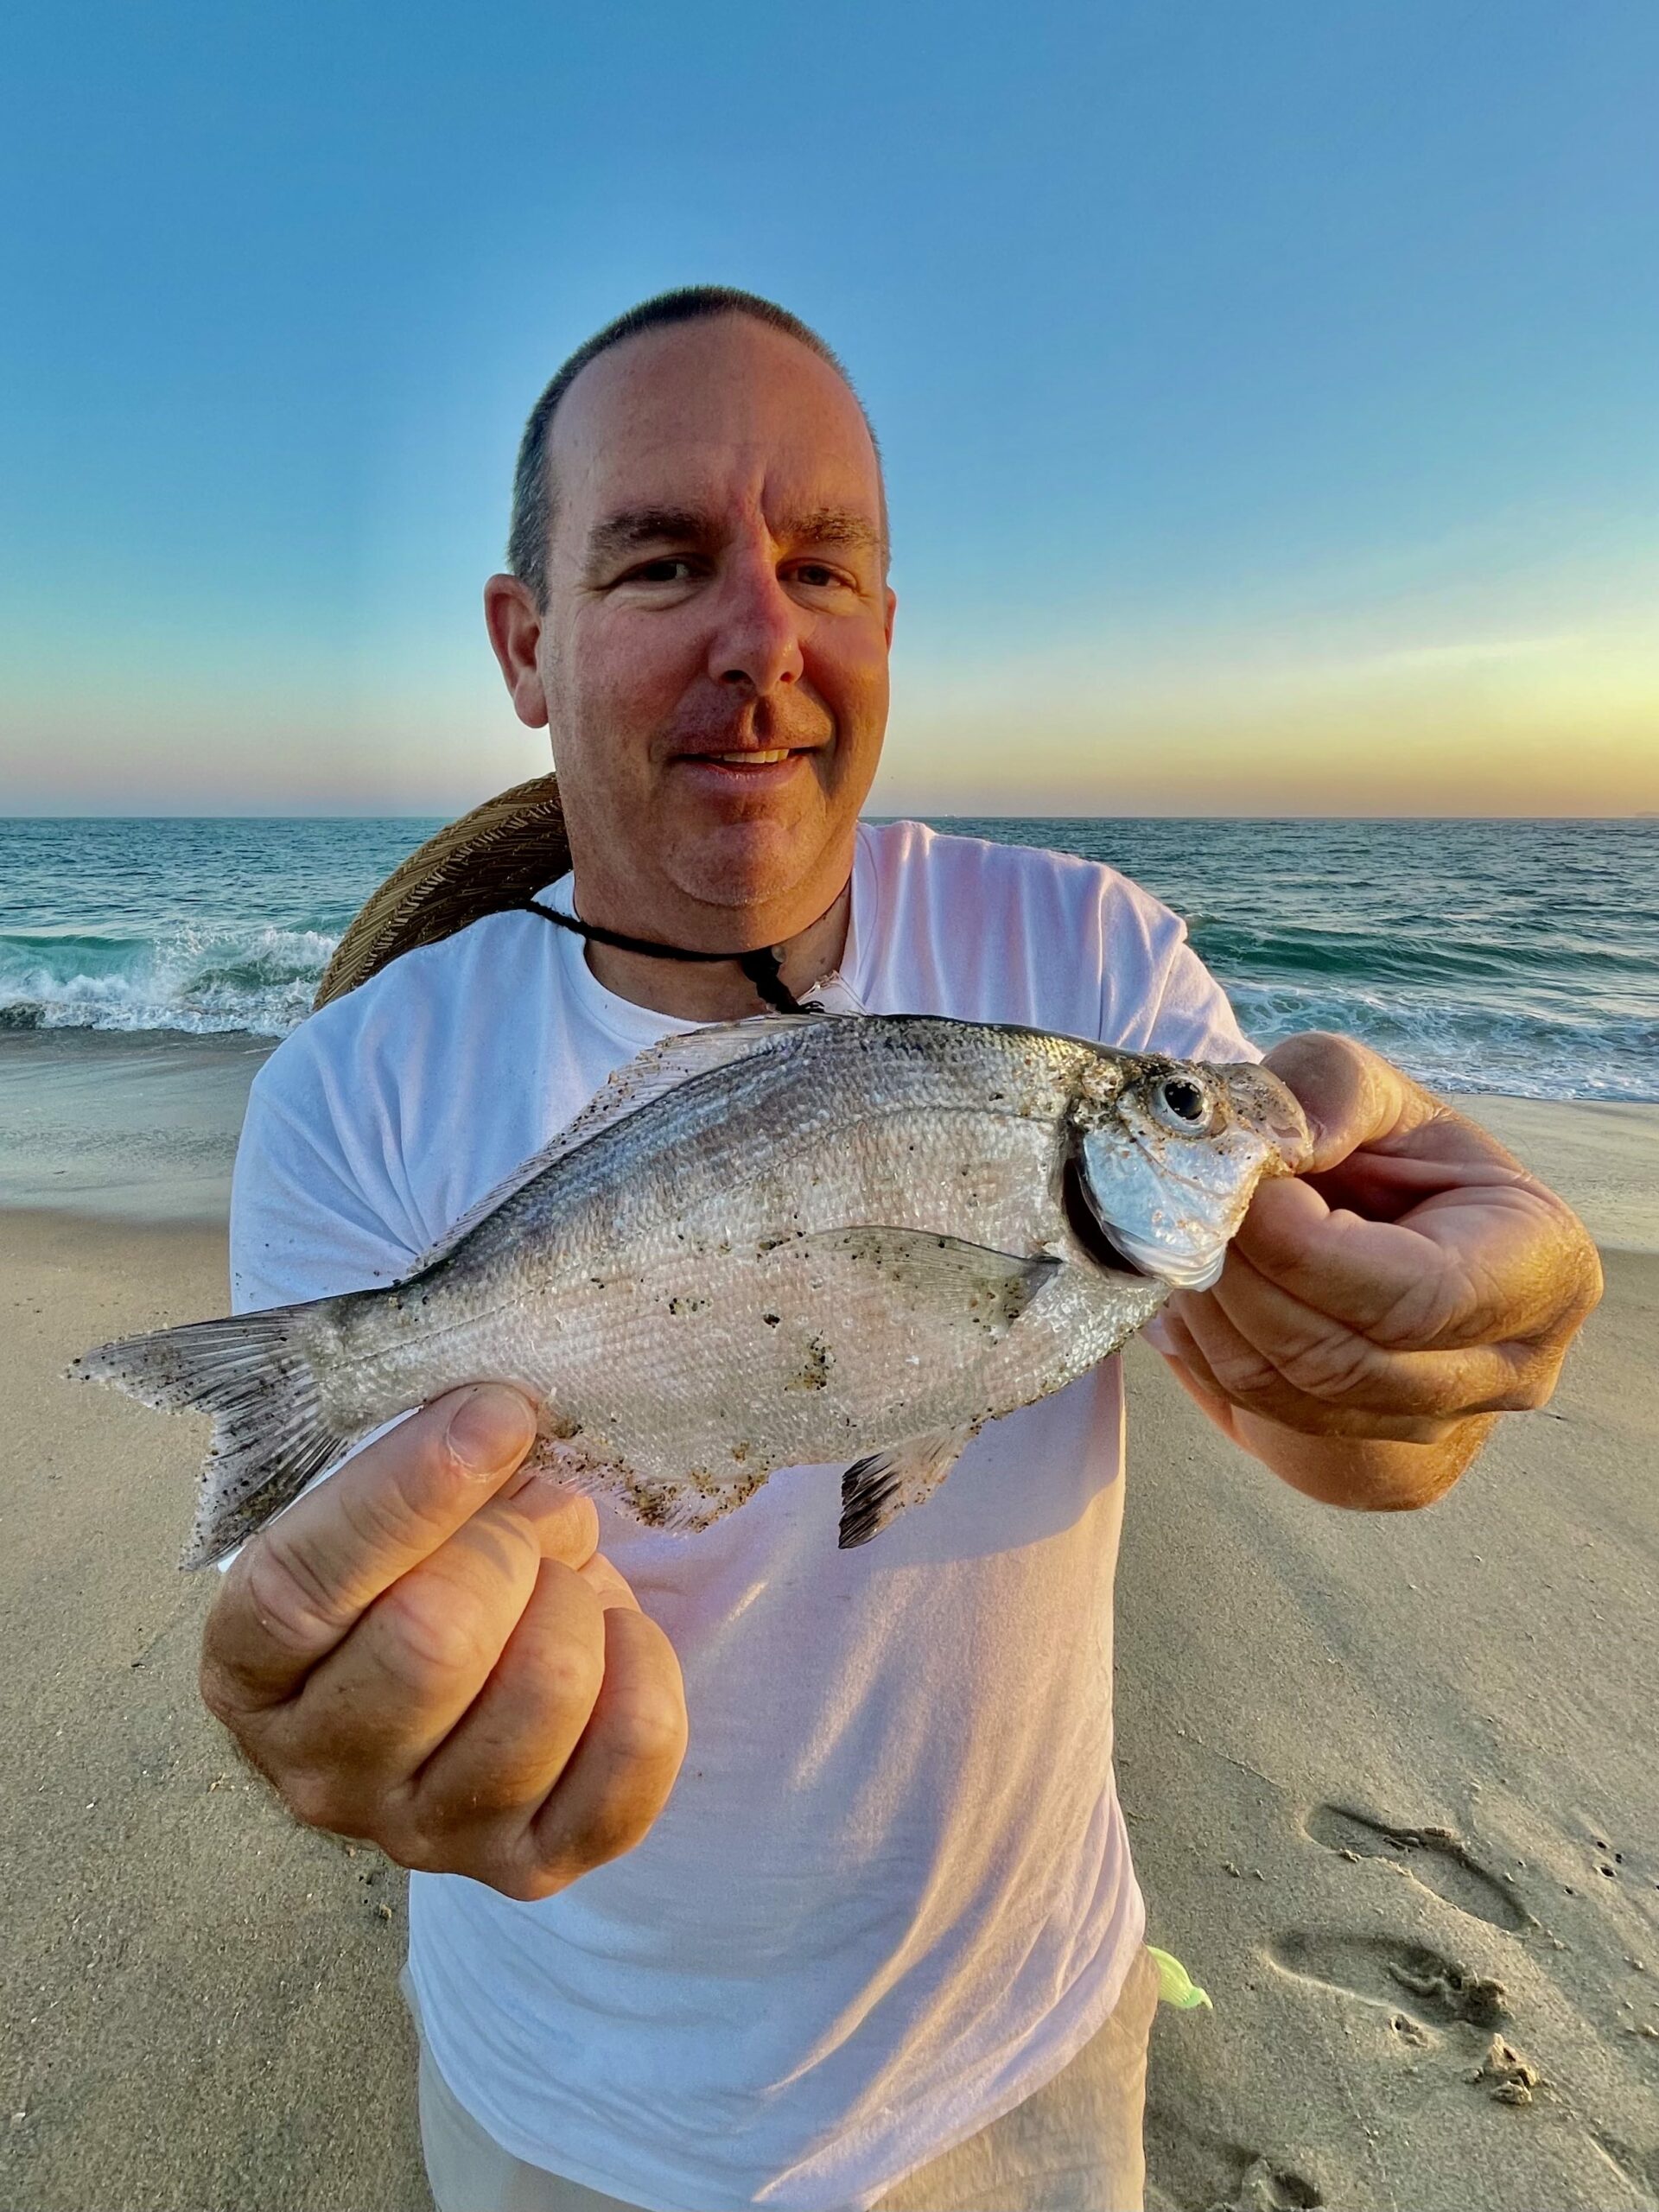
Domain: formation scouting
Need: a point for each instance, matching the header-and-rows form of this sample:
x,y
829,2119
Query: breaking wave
x,y
192,977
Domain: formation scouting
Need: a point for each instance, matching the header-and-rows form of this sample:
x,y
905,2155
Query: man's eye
x,y
814,574
660,572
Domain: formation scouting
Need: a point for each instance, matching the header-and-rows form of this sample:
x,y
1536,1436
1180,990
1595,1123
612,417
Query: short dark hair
x,y
531,527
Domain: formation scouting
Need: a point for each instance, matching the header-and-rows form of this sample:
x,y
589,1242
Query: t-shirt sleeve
x,y
1157,995
315,1203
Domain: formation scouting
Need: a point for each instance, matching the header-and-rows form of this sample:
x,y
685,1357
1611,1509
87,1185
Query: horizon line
x,y
929,815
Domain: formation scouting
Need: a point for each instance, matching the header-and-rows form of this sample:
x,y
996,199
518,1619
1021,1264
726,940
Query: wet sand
x,y
137,1128
1390,1781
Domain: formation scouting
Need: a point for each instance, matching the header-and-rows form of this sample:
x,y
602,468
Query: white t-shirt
x,y
891,1894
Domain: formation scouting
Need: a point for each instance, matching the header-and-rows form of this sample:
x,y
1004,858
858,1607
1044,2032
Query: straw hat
x,y
495,857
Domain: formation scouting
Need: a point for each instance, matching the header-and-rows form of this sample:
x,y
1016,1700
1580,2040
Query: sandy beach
x,y
1390,1779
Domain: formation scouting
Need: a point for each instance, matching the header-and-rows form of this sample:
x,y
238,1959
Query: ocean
x,y
1482,956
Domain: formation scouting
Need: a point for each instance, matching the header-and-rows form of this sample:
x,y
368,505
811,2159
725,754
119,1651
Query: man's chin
x,y
757,862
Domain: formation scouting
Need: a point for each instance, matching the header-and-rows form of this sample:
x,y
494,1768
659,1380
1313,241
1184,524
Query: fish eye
x,y
1183,1103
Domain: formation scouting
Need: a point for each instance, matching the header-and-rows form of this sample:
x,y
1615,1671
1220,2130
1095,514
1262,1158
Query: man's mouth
x,y
754,768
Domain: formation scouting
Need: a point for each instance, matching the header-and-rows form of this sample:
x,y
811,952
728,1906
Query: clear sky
x,y
1270,390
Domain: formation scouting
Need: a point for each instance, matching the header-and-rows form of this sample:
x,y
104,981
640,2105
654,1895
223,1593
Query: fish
x,y
800,1240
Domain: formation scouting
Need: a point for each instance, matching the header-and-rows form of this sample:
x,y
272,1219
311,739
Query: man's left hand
x,y
1411,1280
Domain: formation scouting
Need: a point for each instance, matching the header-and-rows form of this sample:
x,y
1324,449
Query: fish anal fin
x,y
876,1489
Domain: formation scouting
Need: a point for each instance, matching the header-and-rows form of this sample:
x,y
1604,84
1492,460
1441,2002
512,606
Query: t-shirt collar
x,y
636,1026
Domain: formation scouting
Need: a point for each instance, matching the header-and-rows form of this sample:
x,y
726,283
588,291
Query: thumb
x,y
1352,1095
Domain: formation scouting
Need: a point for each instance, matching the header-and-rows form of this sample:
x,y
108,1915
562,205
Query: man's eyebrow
x,y
634,527
842,526
631,527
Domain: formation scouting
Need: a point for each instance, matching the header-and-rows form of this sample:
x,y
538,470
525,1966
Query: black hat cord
x,y
762,966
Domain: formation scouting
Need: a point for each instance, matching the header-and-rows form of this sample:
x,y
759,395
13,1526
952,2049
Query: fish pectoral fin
x,y
876,1489
989,1288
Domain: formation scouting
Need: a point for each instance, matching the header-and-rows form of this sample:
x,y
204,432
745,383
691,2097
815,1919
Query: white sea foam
x,y
203,981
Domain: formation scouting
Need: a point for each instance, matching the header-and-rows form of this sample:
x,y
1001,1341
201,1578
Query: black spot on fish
x,y
772,1320
815,1369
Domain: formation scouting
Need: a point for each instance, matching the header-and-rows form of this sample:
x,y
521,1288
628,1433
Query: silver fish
x,y
797,1240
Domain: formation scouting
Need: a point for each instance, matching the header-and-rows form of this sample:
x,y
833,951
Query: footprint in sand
x,y
1263,2187
1194,2170
1436,1857
1380,1968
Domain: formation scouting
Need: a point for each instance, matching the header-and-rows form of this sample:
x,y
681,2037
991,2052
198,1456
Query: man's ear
x,y
892,609
514,622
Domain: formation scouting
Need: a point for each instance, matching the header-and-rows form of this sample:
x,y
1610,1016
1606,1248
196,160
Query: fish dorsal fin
x,y
661,1067
674,1060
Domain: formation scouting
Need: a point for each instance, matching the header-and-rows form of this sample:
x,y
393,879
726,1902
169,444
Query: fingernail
x,y
491,1426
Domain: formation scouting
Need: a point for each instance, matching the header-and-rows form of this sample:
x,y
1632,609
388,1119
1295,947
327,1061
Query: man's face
x,y
713,655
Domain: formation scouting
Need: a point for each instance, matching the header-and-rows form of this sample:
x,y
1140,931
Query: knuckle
x,y
436,1640
407,1501
1435,1308
1332,1368
1526,1379
570,1671
1245,1374
435,1843
1525,1383
610,1830
1532,1390
314,1796
413,1836
566,1521
467,1810
646,1729
528,1881
288,1595
421,1854
1332,1046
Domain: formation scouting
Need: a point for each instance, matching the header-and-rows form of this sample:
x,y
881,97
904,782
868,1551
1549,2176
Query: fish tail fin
x,y
254,1375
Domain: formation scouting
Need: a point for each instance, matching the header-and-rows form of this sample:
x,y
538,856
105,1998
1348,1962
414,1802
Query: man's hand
x,y
427,1651
1378,1310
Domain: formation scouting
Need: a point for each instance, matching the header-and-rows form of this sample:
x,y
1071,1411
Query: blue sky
x,y
1267,391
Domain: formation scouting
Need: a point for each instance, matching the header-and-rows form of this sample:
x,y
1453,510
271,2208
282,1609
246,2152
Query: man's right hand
x,y
428,1651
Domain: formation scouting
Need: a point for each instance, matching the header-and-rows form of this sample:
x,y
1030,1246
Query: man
x,y
882,1942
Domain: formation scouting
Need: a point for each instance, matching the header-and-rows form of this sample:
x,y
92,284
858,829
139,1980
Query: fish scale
x,y
799,1240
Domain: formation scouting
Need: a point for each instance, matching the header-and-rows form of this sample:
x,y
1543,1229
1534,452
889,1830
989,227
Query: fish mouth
x,y
1091,1232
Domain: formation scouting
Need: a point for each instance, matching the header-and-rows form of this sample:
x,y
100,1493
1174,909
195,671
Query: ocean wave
x,y
195,978
1425,953
1455,1044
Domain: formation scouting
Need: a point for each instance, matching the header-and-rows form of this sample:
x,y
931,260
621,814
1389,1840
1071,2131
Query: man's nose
x,y
757,636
